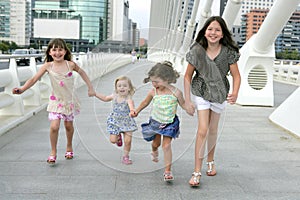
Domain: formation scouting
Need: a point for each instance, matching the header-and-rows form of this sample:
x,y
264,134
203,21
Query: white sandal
x,y
210,171
196,179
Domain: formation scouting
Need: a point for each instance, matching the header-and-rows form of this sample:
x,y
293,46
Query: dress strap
x,y
51,66
68,65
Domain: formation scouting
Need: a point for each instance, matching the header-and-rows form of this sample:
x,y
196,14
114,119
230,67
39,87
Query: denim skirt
x,y
153,127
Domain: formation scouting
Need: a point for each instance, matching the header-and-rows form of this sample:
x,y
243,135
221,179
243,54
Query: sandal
x,y
154,156
69,155
195,180
211,171
119,141
126,160
168,176
51,159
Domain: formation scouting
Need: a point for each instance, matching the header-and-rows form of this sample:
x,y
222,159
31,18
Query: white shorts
x,y
202,104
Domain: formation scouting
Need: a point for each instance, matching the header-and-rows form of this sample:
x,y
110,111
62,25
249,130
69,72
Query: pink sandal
x,y
51,159
126,160
69,155
119,142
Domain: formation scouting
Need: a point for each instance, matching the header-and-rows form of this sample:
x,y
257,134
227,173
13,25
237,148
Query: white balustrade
x,y
287,71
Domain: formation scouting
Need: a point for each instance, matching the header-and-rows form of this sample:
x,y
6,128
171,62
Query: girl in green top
x,y
163,122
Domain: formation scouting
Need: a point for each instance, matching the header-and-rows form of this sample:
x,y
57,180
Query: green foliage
x,y
3,47
7,47
288,55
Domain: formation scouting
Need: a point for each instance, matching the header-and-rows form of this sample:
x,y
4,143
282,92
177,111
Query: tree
x,y
4,47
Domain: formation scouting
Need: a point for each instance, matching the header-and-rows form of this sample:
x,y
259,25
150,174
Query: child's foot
x,y
211,169
119,142
126,160
154,156
195,180
51,159
69,155
168,176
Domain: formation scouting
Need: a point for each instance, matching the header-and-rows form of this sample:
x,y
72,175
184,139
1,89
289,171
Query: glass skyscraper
x,y
93,15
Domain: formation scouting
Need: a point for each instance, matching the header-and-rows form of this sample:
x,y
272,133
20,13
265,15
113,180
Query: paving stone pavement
x,y
255,159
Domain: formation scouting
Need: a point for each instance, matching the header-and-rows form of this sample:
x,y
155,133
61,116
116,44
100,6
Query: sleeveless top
x,y
164,107
63,98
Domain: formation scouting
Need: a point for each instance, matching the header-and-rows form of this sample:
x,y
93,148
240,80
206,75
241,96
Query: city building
x,y
83,24
251,23
15,21
289,38
122,31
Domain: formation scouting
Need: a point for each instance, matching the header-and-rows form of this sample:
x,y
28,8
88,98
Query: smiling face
x,y
57,53
214,32
158,83
122,87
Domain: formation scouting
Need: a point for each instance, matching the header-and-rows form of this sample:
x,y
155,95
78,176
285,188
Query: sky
x,y
139,12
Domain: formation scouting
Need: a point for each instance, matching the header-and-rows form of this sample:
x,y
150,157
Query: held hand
x,y
91,93
190,108
231,98
17,91
133,113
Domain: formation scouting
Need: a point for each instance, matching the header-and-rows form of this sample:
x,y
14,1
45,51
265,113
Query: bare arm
x,y
145,102
189,106
234,70
81,72
131,107
30,82
104,98
180,98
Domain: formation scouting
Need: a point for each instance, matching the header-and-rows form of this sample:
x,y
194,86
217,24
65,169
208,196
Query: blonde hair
x,y
165,71
125,78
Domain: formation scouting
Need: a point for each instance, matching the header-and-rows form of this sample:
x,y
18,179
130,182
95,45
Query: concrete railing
x,y
287,71
18,108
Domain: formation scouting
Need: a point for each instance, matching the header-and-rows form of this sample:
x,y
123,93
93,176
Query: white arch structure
x,y
257,55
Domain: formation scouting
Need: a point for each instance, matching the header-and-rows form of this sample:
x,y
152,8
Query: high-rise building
x,y
252,22
119,23
252,4
289,38
15,23
91,14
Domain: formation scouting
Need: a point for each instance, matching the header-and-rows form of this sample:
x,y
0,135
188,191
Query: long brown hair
x,y
226,40
58,43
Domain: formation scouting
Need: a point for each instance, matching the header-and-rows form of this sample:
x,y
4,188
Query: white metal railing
x,y
287,71
36,98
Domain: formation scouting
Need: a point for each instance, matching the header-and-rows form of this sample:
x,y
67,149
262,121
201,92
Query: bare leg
x,y
127,143
113,138
166,146
212,140
69,133
155,144
203,123
54,128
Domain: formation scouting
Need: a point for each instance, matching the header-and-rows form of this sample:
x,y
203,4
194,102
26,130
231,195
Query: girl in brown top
x,y
63,102
211,57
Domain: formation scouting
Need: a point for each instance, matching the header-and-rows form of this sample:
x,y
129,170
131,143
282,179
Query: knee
x,y
202,133
54,127
69,126
166,147
156,144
